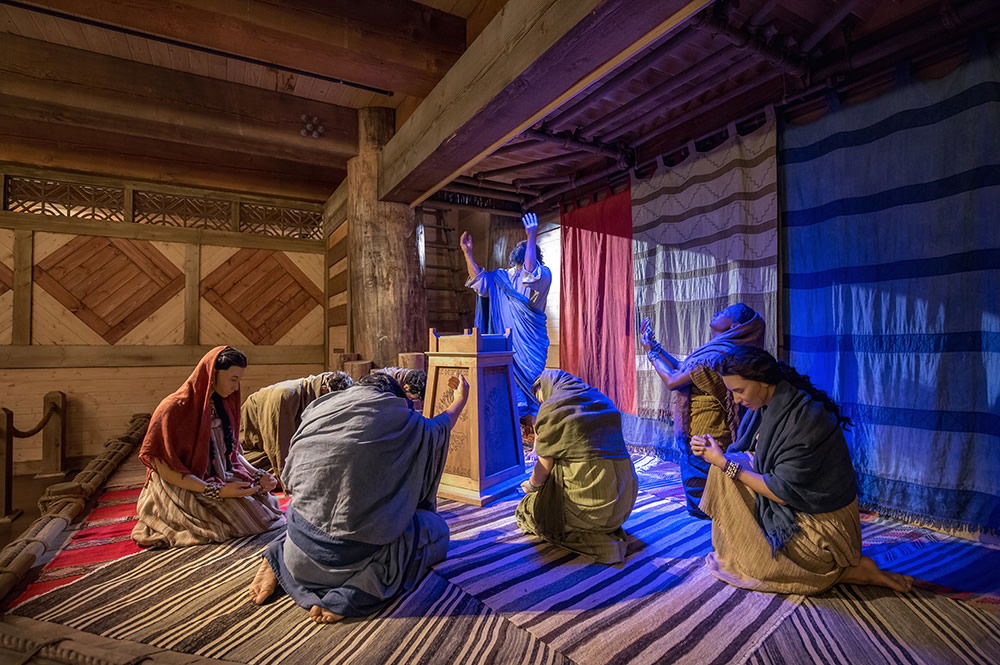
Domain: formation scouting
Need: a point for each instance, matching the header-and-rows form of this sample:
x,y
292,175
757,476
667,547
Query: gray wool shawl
x,y
362,462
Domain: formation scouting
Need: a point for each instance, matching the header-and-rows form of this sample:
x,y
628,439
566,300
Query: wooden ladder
x,y
444,266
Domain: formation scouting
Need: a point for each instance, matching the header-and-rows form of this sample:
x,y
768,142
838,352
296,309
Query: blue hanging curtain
x,y
892,237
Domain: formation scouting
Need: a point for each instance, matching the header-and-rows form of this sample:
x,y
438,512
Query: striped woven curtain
x,y
705,236
893,240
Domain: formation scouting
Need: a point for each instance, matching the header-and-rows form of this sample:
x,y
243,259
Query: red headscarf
x,y
179,433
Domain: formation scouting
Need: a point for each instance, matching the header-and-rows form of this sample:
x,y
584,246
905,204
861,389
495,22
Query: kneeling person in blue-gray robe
x,y
362,475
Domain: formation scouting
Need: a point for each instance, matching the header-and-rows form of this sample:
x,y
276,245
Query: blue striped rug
x,y
502,597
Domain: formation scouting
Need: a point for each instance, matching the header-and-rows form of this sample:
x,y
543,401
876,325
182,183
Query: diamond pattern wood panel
x,y
111,284
6,279
262,293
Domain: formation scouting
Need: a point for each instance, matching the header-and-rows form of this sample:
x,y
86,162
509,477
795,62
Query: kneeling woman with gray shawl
x,y
584,485
785,510
363,473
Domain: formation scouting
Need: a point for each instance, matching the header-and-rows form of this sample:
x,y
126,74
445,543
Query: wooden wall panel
x,y
176,252
310,264
112,323
110,284
215,329
6,316
214,256
102,399
6,285
165,326
310,329
307,331
338,338
7,248
338,292
46,243
52,323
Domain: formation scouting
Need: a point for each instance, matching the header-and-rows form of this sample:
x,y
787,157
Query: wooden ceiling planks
x,y
147,51
55,83
514,74
735,59
394,45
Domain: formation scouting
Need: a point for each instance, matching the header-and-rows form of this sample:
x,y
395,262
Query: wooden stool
x,y
412,361
358,368
337,360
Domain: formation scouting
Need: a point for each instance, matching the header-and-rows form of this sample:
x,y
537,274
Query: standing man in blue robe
x,y
515,298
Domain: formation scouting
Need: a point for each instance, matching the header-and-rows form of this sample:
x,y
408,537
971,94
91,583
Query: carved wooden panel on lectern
x,y
459,462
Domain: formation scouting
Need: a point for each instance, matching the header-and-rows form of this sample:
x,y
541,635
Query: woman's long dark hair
x,y
756,364
229,357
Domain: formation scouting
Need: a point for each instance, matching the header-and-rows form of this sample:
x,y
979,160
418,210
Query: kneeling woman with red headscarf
x,y
199,488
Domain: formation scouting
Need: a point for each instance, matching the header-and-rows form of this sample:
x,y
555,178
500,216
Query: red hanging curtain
x,y
597,312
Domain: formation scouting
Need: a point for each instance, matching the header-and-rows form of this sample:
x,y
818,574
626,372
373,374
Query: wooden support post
x,y
7,511
54,436
192,295
23,259
388,304
129,204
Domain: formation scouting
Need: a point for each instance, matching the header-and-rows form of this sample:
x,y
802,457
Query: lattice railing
x,y
284,222
65,199
187,211
139,203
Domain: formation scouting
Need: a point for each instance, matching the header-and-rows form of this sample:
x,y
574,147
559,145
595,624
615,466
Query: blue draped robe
x,y
501,307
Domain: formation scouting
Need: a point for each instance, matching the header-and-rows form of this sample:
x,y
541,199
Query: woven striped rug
x,y
499,598
660,607
873,626
504,598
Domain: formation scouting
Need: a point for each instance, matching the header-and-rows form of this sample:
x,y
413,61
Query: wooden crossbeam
x,y
533,56
45,82
395,45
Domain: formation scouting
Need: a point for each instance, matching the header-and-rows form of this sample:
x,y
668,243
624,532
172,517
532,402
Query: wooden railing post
x,y
54,436
7,511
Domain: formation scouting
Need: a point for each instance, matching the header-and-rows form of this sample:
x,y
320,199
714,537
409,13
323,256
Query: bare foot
x,y
868,572
264,584
320,615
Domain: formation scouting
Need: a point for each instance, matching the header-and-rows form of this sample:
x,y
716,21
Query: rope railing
x,y
63,503
53,428
50,411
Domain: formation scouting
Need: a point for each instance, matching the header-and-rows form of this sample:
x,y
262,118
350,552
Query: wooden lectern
x,y
485,457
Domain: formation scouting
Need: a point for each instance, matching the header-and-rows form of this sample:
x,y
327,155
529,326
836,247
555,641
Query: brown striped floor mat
x,y
501,597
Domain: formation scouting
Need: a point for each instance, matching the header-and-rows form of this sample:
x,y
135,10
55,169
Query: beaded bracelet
x,y
530,487
212,491
732,469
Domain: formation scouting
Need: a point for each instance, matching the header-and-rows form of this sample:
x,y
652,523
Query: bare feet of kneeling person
x,y
868,572
264,584
320,615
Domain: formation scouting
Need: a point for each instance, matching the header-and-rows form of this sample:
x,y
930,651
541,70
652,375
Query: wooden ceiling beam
x,y
533,57
744,39
395,45
538,163
568,140
45,82
46,145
